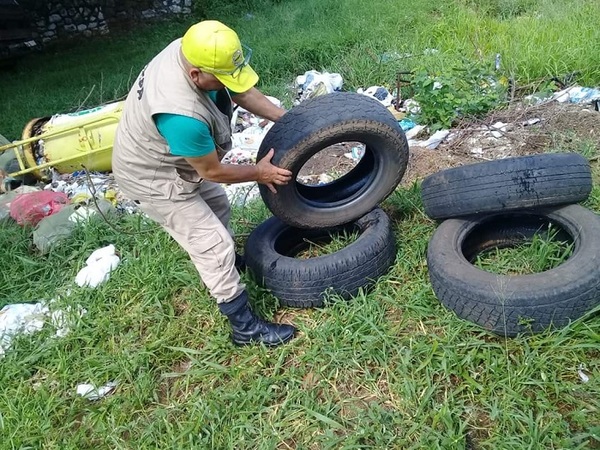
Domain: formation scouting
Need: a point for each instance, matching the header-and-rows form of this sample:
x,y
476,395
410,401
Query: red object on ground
x,y
30,208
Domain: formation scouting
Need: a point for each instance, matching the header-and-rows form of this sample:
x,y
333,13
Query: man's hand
x,y
269,175
210,168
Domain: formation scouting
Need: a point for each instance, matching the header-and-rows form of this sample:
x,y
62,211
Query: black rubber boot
x,y
249,329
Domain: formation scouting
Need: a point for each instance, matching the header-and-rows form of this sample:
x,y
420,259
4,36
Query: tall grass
x,y
536,39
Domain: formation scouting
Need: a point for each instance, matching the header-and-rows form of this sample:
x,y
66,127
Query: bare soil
x,y
528,130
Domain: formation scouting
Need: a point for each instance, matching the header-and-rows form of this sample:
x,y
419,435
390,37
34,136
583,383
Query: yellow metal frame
x,y
26,158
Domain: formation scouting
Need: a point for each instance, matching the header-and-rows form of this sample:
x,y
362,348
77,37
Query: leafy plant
x,y
463,90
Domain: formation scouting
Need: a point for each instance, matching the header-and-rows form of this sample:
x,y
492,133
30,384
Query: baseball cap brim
x,y
241,82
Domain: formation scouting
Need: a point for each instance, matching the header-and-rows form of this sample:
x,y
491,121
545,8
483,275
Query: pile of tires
x,y
501,204
304,213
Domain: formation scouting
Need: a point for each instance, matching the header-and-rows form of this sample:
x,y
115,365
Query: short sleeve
x,y
186,136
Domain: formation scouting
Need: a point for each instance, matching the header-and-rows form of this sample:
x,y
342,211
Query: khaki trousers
x,y
200,224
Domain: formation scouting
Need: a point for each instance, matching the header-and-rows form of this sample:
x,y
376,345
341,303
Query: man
x,y
174,130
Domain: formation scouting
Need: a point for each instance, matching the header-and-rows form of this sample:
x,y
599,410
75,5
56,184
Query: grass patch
x,y
327,245
544,252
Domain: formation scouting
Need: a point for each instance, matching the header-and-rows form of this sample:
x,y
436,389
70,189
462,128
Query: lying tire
x,y
502,303
507,184
304,283
319,123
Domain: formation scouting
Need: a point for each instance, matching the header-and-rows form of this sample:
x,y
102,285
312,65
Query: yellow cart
x,y
65,143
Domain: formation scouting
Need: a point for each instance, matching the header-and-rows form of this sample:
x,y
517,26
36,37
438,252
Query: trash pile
x,y
70,199
56,210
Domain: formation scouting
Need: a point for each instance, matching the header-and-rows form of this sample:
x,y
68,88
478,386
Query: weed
x,y
465,90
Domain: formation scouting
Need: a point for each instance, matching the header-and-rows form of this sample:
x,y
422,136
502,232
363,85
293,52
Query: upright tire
x,y
505,304
304,283
319,123
507,184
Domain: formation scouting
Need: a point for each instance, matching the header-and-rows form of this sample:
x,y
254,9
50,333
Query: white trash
x,y
98,267
314,83
90,391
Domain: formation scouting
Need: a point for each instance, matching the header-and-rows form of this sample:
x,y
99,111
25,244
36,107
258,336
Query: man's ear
x,y
194,74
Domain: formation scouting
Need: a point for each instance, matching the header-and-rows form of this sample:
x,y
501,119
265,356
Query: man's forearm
x,y
257,103
228,173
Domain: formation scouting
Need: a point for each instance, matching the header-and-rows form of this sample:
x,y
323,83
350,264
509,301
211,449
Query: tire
x,y
507,184
319,123
498,303
305,283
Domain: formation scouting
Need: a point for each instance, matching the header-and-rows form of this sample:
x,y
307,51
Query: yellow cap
x,y
216,49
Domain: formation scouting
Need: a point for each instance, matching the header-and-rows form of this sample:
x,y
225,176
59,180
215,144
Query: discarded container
x,y
67,142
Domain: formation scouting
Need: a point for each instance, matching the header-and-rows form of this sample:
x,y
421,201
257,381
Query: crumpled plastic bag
x,y
379,93
53,229
98,268
91,392
577,94
30,208
313,84
20,318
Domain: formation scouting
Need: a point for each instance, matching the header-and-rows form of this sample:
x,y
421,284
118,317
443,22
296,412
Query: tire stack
x,y
304,213
500,204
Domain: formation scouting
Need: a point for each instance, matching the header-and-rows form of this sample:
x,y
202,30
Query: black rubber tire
x,y
499,302
507,184
305,283
318,123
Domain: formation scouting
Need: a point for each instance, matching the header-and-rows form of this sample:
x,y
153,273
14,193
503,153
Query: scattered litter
x,y
242,118
22,318
582,374
240,157
394,56
77,187
414,131
5,201
530,122
63,319
89,209
30,208
433,142
498,129
379,93
538,98
573,94
27,318
411,106
90,391
407,124
250,138
355,153
316,180
98,267
313,84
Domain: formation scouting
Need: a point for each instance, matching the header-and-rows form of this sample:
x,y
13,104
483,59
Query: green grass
x,y
391,369
544,252
535,38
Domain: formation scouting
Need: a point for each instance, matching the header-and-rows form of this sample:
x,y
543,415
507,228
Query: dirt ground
x,y
527,130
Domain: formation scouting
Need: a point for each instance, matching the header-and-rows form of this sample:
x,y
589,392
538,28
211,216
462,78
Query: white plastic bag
x,y
313,84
